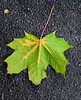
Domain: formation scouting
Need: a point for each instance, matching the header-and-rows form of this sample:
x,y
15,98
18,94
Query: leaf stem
x,y
47,22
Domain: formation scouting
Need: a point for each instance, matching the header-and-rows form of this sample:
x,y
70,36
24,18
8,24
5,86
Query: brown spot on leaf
x,y
35,80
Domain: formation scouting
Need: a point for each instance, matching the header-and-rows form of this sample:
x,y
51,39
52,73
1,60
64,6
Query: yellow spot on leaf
x,y
6,11
28,43
20,61
44,41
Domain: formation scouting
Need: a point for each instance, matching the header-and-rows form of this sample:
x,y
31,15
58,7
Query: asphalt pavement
x,y
31,16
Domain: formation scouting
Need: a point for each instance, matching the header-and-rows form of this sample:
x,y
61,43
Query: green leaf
x,y
36,55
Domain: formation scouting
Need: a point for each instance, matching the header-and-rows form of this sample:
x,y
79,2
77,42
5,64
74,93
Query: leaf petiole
x,y
47,22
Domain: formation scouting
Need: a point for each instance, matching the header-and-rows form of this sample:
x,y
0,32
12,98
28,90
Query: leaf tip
x,y
54,32
52,8
64,75
5,60
8,73
24,31
7,44
72,46
26,34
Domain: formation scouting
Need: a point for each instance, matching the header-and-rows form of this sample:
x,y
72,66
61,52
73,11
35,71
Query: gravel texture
x,y
31,16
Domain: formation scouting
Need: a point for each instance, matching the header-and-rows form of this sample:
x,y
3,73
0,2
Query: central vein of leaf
x,y
40,42
39,52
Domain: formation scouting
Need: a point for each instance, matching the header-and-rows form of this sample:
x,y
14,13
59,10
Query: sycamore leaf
x,y
36,54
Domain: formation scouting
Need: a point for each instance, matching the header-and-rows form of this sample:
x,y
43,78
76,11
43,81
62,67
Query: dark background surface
x,y
31,16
